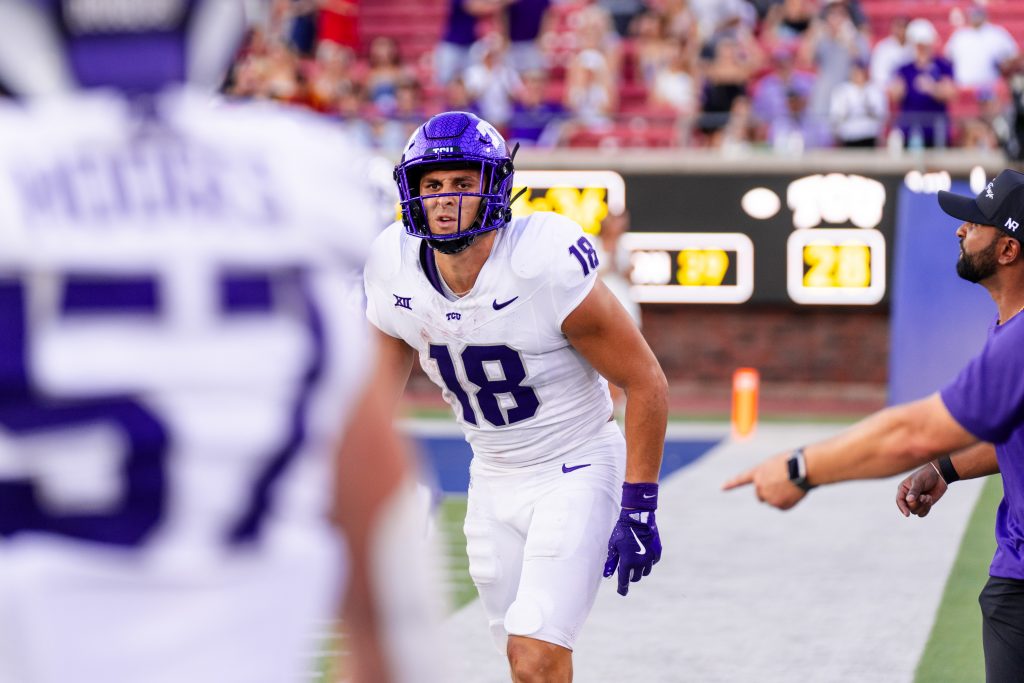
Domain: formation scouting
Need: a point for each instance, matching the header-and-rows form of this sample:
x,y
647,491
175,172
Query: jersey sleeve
x,y
382,265
559,251
987,397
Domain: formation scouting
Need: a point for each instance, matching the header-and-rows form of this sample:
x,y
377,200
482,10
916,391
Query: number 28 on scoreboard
x,y
836,266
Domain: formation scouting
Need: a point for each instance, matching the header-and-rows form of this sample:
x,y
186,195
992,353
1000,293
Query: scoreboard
x,y
808,239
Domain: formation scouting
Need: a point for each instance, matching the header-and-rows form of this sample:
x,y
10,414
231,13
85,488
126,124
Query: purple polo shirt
x,y
987,399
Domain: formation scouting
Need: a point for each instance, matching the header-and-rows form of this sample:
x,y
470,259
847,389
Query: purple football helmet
x,y
136,47
456,139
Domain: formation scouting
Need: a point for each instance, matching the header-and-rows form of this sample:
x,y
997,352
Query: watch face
x,y
794,468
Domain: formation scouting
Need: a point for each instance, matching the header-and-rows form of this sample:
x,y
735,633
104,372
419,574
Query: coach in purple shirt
x,y
979,418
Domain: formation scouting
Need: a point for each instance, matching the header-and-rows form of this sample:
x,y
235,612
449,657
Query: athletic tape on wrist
x,y
642,496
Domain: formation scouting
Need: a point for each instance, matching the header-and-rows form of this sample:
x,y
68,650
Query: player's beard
x,y
979,265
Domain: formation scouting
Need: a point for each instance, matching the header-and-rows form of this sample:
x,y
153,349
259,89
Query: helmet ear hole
x,y
416,217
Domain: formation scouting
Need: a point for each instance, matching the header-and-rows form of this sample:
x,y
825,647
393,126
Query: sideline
x,y
842,588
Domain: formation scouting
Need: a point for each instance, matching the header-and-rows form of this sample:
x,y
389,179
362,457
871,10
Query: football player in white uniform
x,y
510,320
188,405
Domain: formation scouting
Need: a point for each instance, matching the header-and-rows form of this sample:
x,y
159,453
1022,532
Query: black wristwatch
x,y
798,470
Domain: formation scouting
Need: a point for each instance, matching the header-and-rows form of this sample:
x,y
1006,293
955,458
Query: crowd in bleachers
x,y
733,74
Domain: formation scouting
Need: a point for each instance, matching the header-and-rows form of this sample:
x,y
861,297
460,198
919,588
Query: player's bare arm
x,y
888,442
603,333
922,489
375,509
396,359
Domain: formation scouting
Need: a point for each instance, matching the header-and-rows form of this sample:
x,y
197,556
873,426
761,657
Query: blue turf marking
x,y
448,458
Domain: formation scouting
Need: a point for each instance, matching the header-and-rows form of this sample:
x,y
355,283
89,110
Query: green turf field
x,y
953,653
453,542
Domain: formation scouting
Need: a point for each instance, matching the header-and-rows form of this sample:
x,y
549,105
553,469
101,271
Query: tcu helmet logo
x,y
1011,225
487,130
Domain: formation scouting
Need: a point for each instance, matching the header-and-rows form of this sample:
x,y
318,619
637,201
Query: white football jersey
x,y
520,391
181,337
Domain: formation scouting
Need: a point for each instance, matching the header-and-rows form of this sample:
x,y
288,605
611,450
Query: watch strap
x,y
797,468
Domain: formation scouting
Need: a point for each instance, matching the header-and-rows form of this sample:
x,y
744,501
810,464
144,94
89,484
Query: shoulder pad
x,y
386,254
539,238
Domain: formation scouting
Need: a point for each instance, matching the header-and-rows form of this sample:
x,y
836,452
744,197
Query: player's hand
x,y
771,483
635,547
920,491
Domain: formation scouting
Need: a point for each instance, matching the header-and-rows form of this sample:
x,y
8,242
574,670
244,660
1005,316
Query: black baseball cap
x,y
1000,204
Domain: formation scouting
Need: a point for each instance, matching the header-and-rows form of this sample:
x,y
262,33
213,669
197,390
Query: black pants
x,y
1002,613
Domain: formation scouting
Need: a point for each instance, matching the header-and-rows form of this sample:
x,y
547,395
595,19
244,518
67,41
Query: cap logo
x,y
1011,225
988,191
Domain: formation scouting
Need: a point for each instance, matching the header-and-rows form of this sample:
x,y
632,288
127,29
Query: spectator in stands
x,y
788,21
995,117
492,82
651,47
853,9
978,134
891,52
726,78
833,44
718,17
859,109
536,120
384,73
623,13
350,112
1014,137
590,94
452,53
675,84
680,21
279,77
923,89
408,113
740,131
980,50
330,75
595,31
457,97
780,95
524,19
297,19
338,22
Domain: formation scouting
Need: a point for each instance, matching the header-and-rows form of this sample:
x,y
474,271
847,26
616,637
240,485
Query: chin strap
x,y
452,246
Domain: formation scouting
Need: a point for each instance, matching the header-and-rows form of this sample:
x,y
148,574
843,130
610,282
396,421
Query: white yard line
x,y
843,588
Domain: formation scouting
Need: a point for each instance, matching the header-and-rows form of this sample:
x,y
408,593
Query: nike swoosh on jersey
x,y
643,550
503,304
567,470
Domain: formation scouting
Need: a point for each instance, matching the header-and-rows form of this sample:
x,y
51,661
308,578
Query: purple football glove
x,y
635,546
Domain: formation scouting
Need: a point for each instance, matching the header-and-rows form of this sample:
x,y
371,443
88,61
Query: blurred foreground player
x,y
182,358
511,321
983,406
